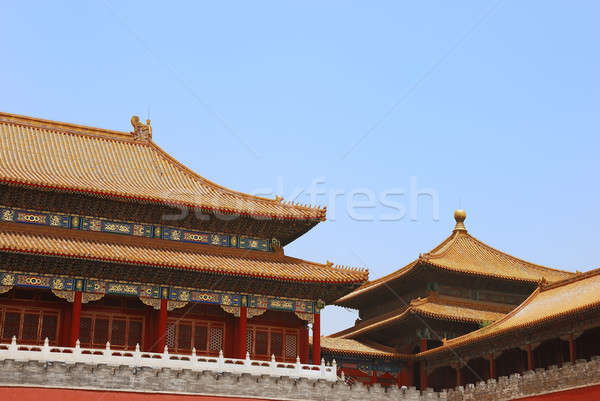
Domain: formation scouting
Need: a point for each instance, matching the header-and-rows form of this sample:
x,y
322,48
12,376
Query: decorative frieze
x,y
86,223
93,289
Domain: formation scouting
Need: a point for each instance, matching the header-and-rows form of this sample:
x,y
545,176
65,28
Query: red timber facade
x,y
411,317
106,238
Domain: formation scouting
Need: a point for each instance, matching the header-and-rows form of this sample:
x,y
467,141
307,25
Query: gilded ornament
x,y
234,310
8,279
7,215
5,288
251,312
89,297
171,305
141,131
58,284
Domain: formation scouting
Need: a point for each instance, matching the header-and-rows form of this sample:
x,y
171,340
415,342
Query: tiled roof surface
x,y
435,307
548,302
234,262
49,154
353,347
463,253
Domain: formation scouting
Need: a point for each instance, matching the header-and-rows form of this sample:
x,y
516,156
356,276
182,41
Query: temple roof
x,y
463,253
548,302
60,242
52,155
435,307
355,348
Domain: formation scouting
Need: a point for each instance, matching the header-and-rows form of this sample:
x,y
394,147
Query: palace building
x,y
465,312
104,237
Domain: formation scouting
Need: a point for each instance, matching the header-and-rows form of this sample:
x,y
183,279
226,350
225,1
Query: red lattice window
x,y
123,332
215,340
30,326
184,334
291,345
263,342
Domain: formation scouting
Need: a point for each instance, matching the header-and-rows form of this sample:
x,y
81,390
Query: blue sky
x,y
490,105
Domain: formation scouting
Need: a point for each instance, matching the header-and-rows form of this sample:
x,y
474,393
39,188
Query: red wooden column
x,y
571,348
242,332
161,339
529,358
423,347
316,351
410,374
492,366
458,378
304,347
75,318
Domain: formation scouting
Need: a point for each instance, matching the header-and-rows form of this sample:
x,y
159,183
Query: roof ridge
x,y
576,277
65,127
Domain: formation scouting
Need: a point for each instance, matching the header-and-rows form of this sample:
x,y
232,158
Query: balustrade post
x,y
45,350
137,355
220,362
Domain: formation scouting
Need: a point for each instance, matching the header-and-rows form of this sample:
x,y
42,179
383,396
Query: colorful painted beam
x,y
147,291
86,223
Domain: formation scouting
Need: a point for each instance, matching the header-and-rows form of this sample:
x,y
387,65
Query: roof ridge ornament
x,y
141,131
460,215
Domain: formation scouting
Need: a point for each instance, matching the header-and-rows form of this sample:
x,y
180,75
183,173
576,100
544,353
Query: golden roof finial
x,y
460,215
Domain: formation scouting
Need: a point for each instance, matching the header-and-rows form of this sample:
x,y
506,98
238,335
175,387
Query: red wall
x,y
57,394
591,393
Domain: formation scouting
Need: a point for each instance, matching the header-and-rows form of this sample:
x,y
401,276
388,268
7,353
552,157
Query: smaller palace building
x,y
105,238
465,312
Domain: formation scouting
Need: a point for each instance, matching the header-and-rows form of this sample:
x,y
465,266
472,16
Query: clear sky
x,y
491,105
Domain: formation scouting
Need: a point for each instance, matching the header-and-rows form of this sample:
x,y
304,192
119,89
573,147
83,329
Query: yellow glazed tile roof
x,y
235,262
548,302
49,154
463,253
435,307
353,347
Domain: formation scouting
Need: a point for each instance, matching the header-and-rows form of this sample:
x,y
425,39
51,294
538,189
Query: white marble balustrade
x,y
137,358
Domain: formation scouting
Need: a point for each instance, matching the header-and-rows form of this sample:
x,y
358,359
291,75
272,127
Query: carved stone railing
x,y
569,376
193,362
23,366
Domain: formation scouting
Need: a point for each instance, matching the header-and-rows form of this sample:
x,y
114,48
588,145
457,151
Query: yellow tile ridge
x,y
354,347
